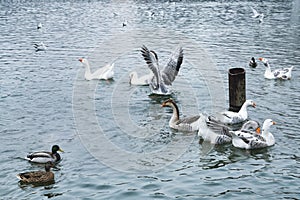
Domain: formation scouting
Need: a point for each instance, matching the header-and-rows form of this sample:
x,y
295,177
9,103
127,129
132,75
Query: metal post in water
x,y
237,88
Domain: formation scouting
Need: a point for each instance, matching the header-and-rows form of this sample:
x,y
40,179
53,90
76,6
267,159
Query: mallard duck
x,y
186,124
38,177
253,63
106,72
229,117
284,73
164,78
44,156
248,140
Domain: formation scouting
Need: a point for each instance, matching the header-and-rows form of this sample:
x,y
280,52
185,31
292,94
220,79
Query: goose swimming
x,y
284,73
142,80
246,140
230,117
186,124
106,72
216,133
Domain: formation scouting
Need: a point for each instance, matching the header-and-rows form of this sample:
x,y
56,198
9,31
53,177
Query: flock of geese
x,y
215,129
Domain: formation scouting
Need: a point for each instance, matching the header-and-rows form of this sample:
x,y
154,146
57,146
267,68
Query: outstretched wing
x,y
152,62
172,68
255,13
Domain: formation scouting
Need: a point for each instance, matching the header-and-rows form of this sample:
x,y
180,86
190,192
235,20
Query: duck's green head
x,y
56,148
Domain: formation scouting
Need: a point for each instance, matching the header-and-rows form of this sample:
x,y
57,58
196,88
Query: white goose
x,y
189,124
216,133
213,132
246,140
284,73
164,78
230,117
143,80
106,72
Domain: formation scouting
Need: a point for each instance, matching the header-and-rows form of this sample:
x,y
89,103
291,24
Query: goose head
x,y
170,102
83,61
267,124
250,103
264,61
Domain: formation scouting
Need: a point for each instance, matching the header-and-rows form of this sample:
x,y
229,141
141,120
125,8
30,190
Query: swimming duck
x,y
44,156
164,78
246,140
143,80
186,124
253,63
284,73
230,117
106,72
38,177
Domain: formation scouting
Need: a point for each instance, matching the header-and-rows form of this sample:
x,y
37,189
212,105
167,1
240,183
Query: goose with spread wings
x,y
162,79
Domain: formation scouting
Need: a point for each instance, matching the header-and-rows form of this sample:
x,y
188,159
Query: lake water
x,y
115,136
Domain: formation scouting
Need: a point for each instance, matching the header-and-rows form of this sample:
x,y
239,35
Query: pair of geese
x,y
42,157
159,80
283,73
214,129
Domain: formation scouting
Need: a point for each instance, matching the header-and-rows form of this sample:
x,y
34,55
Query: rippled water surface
x,y
116,137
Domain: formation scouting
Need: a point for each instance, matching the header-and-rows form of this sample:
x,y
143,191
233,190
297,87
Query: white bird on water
x,y
230,117
134,79
164,78
246,140
40,46
106,72
260,16
39,26
284,73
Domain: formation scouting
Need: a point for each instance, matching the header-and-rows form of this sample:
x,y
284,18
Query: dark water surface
x,y
116,138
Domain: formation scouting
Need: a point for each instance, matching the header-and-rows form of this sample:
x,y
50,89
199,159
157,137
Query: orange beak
x,y
258,130
254,105
274,123
260,59
80,59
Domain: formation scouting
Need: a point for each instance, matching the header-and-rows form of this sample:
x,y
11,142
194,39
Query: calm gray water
x,y
116,138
